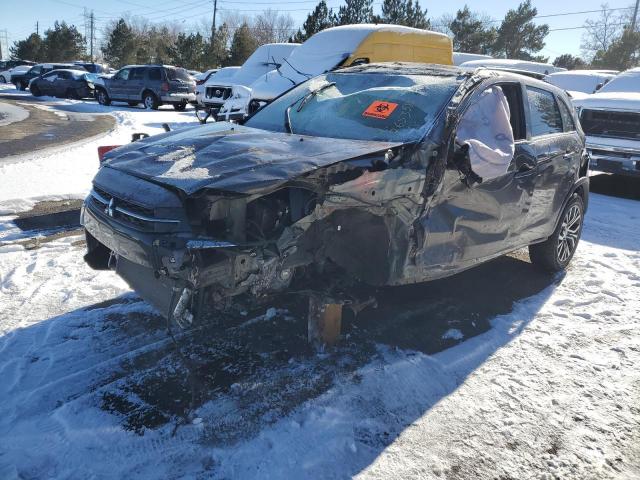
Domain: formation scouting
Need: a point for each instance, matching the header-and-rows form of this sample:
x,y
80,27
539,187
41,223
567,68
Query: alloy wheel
x,y
569,233
148,102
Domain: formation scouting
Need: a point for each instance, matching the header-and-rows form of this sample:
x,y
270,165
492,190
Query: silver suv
x,y
151,85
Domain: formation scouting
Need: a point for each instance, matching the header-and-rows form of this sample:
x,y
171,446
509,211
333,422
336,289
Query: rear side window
x,y
178,74
567,119
545,115
155,74
137,74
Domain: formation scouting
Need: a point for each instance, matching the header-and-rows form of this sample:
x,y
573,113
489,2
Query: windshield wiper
x,y
303,101
280,72
312,94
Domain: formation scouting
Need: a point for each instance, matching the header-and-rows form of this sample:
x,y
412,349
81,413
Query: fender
x,y
582,182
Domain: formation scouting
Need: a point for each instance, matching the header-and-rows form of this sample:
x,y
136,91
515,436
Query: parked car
x,y
21,80
382,174
507,64
578,82
221,76
611,120
202,77
338,47
151,85
265,58
65,83
8,64
5,75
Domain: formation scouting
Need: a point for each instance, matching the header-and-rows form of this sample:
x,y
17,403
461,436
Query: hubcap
x,y
569,233
148,102
101,97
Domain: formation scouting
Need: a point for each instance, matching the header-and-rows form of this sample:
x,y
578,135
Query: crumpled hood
x,y
612,100
229,157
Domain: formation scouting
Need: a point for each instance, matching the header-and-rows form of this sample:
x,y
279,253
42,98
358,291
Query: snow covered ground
x,y
93,387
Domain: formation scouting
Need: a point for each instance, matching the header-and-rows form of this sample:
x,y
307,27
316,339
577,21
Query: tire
x,y
103,97
555,253
35,91
150,101
2,79
132,104
21,85
180,107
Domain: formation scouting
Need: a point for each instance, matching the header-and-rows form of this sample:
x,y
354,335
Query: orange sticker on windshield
x,y
380,109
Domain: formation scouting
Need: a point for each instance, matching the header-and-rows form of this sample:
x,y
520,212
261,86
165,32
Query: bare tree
x,y
270,26
601,33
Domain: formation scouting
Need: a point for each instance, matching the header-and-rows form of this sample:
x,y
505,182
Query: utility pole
x,y
635,17
213,24
37,28
91,37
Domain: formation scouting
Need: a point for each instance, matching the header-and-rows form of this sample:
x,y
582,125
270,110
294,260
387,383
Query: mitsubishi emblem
x,y
111,209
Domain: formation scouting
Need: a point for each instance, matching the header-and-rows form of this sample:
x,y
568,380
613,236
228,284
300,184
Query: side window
x,y
567,119
36,70
155,74
123,74
137,74
545,115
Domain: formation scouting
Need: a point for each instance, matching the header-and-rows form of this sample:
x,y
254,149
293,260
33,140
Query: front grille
x,y
601,123
134,215
220,93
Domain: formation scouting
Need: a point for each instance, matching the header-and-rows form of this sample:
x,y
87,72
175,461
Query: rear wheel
x,y
21,85
35,91
180,106
555,253
150,101
102,97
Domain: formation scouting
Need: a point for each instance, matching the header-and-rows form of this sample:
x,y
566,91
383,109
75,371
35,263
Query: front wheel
x,y
2,79
555,253
103,98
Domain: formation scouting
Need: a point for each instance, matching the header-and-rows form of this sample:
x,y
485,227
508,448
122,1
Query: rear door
x,y
46,83
62,84
558,151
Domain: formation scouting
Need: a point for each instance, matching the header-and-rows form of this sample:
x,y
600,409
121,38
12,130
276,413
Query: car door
x,y
467,223
61,84
118,84
46,83
135,84
558,152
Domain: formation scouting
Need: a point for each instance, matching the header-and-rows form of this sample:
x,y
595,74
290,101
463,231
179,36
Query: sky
x,y
19,20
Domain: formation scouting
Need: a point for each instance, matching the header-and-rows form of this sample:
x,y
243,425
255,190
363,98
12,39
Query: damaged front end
x,y
352,221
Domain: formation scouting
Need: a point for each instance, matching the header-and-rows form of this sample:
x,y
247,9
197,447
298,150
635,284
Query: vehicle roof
x,y
512,63
72,70
150,65
583,73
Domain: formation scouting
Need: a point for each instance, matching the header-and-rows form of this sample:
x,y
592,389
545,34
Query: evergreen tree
x,y
321,18
404,12
470,35
569,62
622,54
188,51
30,48
122,45
218,53
518,36
242,45
63,43
355,11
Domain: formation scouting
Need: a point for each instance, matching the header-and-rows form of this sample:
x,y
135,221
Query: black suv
x,y
21,80
153,85
382,174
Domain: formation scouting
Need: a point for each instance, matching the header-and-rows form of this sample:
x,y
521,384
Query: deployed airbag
x,y
486,129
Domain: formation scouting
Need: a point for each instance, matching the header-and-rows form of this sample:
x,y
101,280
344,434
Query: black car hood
x,y
234,158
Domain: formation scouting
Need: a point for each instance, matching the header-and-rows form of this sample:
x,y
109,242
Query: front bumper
x,y
613,159
178,98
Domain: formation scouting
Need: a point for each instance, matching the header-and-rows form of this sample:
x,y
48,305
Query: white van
x,y
264,59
